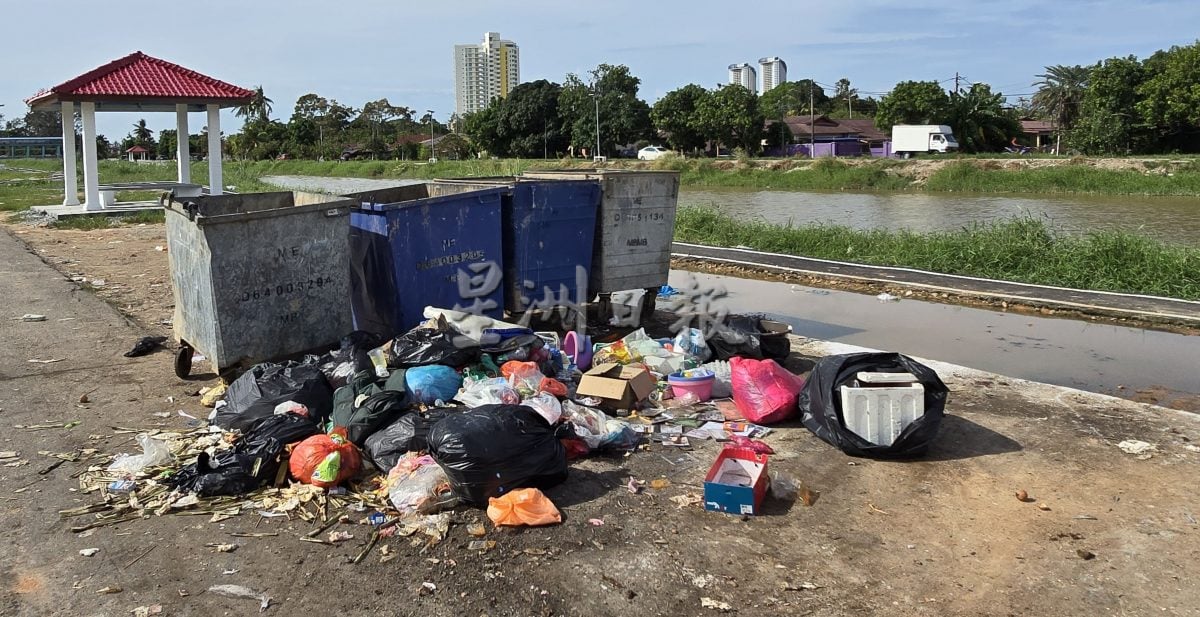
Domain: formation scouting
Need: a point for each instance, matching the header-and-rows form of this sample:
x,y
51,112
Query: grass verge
x,y
1023,250
967,177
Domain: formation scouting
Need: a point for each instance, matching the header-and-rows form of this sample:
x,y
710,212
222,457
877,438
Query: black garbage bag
x,y
745,337
821,403
255,394
350,357
410,433
145,345
253,461
425,346
493,449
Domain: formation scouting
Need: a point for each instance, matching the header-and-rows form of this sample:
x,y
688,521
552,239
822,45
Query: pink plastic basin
x,y
700,386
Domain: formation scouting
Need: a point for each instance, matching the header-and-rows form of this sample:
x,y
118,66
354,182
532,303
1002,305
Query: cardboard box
x,y
617,387
737,482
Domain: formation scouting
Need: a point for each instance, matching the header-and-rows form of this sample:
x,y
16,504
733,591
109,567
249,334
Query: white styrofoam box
x,y
879,415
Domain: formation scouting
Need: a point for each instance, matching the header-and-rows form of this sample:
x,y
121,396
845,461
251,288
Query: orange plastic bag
x,y
524,376
525,506
325,460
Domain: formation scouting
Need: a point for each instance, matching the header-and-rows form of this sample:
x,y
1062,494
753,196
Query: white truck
x,y
910,139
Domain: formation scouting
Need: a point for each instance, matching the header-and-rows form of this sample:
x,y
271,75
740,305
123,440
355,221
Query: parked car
x,y
649,153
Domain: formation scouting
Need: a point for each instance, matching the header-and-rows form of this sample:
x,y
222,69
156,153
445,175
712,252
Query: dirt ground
x,y
1105,532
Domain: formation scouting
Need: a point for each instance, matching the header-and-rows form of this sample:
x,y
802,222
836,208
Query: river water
x,y
1171,219
1078,354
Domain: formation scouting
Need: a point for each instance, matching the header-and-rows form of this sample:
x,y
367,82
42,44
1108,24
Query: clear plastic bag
x,y
416,485
154,452
494,391
546,405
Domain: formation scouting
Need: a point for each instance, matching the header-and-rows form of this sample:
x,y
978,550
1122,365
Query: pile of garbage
x,y
458,413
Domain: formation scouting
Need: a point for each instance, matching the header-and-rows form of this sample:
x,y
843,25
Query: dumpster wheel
x,y
183,360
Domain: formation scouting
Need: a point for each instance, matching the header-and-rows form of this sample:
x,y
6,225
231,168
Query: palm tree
x,y
1060,90
141,133
259,107
980,121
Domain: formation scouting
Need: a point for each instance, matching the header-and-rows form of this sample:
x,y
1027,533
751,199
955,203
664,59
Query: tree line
x,y
1116,106
1125,105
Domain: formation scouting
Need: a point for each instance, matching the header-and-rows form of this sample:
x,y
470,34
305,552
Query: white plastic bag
x,y
494,391
154,452
691,342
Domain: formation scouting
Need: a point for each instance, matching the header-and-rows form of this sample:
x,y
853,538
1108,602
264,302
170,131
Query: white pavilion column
x,y
182,156
70,181
215,182
91,173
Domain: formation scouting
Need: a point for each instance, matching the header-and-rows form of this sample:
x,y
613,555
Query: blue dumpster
x,y
549,227
421,245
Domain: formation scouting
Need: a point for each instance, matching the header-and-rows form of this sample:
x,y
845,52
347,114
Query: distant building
x,y
743,74
484,72
773,71
31,147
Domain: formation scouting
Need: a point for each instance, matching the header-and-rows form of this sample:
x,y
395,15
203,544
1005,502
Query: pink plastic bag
x,y
763,391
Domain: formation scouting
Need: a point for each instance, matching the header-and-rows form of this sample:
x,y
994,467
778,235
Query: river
x,y
1171,219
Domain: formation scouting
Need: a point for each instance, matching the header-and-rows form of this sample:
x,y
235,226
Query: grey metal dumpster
x,y
634,229
258,276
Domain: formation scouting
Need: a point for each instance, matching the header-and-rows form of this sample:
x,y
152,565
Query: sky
x,y
361,50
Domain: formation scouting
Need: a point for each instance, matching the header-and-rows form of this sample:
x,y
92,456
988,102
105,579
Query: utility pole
x,y
432,147
956,82
812,122
596,96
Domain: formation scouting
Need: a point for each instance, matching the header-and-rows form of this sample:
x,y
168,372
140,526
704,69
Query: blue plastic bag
x,y
429,384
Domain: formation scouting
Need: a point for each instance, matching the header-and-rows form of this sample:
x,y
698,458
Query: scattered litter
x,y
596,522
223,548
88,552
146,611
481,545
634,486
32,317
428,587
805,586
477,530
340,536
230,572
687,500
155,452
887,297
238,591
50,361
1043,507
659,483
210,396
98,282
876,510
1134,446
724,607
109,590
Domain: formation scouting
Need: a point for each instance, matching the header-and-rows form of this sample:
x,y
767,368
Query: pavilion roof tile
x,y
142,77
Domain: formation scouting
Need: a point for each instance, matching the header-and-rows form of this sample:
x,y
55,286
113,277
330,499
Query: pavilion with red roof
x,y
137,82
